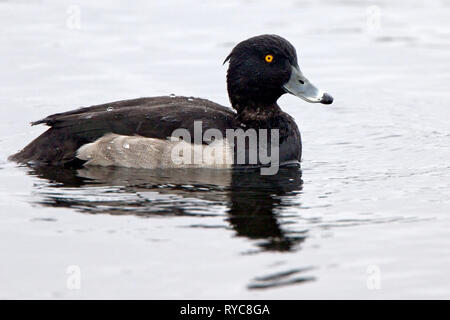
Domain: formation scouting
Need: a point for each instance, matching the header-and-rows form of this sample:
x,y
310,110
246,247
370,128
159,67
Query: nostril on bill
x,y
301,81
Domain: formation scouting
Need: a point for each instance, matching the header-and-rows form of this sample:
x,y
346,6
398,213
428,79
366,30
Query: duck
x,y
157,132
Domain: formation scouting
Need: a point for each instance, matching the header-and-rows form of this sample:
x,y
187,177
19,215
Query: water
x,y
367,216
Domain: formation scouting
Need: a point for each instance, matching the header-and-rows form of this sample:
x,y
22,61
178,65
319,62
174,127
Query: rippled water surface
x,y
367,215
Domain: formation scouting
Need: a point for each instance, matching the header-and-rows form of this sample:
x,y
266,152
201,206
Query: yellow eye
x,y
269,58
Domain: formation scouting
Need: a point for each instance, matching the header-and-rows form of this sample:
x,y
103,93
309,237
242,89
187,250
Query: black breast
x,y
289,143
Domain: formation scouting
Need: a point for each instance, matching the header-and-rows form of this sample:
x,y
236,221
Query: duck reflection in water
x,y
254,203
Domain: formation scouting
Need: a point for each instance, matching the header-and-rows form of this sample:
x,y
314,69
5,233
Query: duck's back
x,y
155,117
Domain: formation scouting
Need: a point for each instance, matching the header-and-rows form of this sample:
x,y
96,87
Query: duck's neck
x,y
258,114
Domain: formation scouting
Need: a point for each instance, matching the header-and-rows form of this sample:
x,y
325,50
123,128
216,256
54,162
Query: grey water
x,y
366,216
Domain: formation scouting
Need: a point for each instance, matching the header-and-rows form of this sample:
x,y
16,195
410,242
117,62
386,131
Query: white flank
x,y
151,153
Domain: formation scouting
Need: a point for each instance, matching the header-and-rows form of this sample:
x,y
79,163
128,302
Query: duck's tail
x,y
53,147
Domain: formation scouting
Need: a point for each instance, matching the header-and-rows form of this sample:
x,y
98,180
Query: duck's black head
x,y
262,69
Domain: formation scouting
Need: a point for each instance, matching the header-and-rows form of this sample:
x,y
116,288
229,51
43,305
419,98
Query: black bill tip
x,y
326,99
